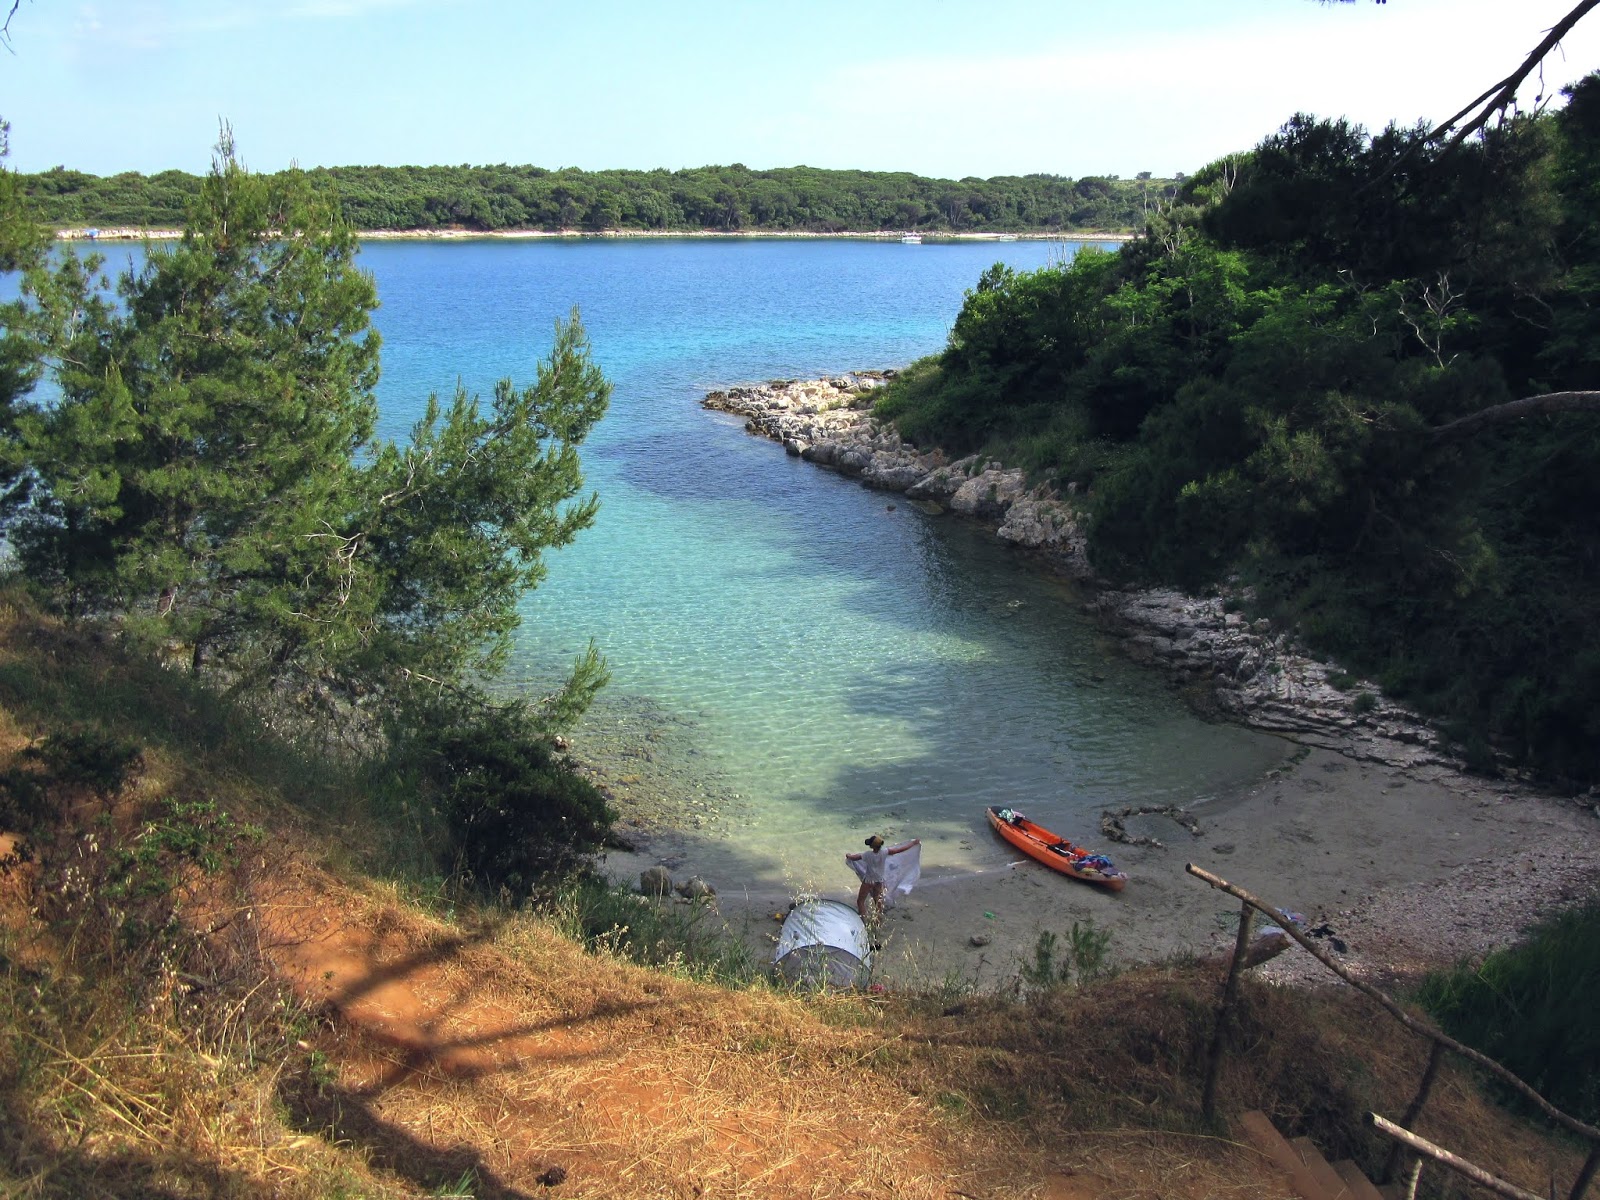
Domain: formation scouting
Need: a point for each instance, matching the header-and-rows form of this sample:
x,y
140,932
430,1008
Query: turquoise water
x,y
794,662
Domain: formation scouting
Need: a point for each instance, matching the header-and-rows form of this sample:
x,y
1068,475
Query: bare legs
x,y
874,893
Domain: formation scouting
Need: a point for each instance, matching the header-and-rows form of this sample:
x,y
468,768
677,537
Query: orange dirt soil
x,y
510,1052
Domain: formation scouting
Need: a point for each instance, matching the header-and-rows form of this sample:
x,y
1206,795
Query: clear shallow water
x,y
795,663
785,648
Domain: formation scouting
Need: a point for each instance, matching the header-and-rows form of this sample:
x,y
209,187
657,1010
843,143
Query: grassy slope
x,y
250,1013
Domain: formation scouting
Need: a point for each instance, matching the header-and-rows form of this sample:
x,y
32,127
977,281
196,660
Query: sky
x,y
940,88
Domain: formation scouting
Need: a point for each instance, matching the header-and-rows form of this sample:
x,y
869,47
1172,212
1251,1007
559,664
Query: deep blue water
x,y
785,648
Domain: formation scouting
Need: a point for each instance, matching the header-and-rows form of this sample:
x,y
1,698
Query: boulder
x,y
655,881
988,494
695,889
892,473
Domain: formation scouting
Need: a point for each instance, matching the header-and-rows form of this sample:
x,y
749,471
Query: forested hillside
x,y
1292,386
723,198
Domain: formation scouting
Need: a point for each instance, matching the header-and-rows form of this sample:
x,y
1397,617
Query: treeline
x,y
730,198
1259,395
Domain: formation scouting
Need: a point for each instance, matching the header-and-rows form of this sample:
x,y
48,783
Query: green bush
x,y
517,811
1532,1008
652,932
81,758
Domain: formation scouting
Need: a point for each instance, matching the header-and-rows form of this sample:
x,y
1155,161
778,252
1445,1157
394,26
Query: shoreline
x,y
137,234
1373,831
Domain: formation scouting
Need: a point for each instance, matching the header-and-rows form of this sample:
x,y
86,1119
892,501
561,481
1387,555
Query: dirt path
x,y
509,1053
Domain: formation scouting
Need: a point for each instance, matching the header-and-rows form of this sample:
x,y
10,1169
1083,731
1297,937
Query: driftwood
x,y
1112,827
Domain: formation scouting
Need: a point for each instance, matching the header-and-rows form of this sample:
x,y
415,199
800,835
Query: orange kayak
x,y
1057,853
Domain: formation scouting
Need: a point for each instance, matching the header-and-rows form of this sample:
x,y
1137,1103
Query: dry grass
x,y
277,1027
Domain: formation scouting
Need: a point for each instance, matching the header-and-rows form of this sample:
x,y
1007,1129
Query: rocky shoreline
x,y
1245,671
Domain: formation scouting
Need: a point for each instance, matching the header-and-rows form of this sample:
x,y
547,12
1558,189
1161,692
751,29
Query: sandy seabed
x,y
1402,870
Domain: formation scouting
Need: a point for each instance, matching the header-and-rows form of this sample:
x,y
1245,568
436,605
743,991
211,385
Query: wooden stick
x,y
1585,1175
1412,1023
1208,1102
1408,1190
1456,1163
1414,1110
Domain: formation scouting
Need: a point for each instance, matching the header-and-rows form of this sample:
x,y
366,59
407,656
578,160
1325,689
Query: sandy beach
x,y
1404,870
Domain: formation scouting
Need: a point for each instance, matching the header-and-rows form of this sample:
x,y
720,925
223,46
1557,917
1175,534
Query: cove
x,y
796,661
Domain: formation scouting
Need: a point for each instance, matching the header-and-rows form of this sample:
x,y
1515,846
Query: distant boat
x,y
1006,237
911,239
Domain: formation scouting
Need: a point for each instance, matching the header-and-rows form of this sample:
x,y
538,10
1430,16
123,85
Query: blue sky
x,y
932,86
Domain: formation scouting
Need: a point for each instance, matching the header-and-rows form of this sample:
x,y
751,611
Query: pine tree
x,y
209,477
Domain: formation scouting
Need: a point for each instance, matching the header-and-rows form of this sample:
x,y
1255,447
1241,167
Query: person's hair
x,y
874,841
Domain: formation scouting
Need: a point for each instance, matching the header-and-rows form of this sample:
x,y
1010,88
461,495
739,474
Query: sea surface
x,y
796,661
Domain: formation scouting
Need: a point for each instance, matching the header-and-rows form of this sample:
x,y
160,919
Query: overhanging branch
x,y
1500,96
1513,410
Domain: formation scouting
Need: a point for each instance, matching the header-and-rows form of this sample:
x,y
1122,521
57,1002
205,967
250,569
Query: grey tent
x,y
823,943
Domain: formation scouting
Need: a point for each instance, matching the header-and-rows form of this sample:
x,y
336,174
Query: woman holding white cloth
x,y
882,874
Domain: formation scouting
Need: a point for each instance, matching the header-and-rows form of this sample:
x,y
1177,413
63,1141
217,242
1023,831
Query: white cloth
x,y
897,872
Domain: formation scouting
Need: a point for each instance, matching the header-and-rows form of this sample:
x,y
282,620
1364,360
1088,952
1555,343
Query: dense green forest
x,y
1294,386
722,198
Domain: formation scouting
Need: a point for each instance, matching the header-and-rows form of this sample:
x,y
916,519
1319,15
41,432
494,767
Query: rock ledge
x,y
1248,672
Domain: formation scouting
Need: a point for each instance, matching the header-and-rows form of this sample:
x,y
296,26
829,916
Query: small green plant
x,y
194,832
319,1072
1341,681
1081,958
953,1103
1088,949
1364,703
691,938
1043,972
464,1188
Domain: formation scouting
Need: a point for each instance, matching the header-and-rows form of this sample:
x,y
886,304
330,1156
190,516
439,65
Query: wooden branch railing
x,y
1437,1037
1455,1162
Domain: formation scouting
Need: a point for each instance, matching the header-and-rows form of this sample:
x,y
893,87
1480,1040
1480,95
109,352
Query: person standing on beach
x,y
878,872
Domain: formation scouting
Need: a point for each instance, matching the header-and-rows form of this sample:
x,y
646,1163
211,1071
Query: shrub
x,y
517,811
607,918
1531,1007
76,758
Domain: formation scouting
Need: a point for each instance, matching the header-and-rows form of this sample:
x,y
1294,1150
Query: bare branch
x,y
1500,96
1512,410
5,29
